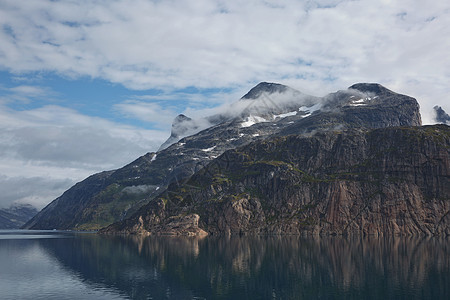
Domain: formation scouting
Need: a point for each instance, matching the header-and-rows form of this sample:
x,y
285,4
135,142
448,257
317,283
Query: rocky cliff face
x,y
267,111
383,181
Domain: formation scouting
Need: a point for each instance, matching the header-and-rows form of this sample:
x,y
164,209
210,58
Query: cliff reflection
x,y
260,267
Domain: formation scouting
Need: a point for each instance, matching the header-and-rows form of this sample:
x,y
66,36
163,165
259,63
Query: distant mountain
x,y
441,116
269,110
16,216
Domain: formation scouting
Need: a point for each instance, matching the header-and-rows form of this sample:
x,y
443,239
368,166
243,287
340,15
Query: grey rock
x,y
388,181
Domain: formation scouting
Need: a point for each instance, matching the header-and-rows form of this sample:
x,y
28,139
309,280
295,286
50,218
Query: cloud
x,y
161,109
150,112
315,46
22,190
51,147
24,94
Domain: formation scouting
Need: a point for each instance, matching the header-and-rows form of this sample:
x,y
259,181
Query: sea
x,y
82,265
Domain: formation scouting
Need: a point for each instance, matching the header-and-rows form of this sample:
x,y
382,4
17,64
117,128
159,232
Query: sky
x,y
90,85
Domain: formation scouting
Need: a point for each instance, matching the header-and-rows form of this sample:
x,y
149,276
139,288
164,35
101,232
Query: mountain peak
x,y
179,119
441,116
375,88
265,87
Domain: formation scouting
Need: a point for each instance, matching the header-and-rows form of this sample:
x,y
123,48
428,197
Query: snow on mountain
x,y
183,126
263,103
252,120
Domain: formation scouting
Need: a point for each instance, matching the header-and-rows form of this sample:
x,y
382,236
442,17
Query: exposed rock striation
x,y
388,181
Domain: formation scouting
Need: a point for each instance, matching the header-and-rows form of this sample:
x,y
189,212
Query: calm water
x,y
64,265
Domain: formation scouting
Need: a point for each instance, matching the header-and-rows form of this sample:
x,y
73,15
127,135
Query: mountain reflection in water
x,y
260,267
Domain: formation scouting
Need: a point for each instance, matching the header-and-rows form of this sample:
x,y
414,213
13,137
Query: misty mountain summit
x,y
181,126
265,87
441,116
277,161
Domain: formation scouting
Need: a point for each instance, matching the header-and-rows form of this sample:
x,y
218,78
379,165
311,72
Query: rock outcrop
x,y
388,181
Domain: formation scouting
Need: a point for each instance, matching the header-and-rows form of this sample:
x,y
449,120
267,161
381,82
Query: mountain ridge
x,y
105,198
16,215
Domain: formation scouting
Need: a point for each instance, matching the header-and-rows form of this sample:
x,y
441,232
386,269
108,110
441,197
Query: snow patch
x,y
361,102
289,114
154,157
252,120
208,149
311,109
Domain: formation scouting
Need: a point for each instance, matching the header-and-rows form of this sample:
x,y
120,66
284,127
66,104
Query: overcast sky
x,y
91,85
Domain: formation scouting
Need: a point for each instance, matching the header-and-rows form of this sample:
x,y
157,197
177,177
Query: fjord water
x,y
67,265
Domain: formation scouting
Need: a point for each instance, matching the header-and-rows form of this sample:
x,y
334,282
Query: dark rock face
x,y
389,181
15,216
269,110
264,87
441,115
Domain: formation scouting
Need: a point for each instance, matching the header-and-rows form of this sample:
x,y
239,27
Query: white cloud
x,y
24,93
57,146
316,45
22,190
147,111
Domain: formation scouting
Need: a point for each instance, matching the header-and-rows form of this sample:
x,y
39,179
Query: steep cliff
x,y
382,181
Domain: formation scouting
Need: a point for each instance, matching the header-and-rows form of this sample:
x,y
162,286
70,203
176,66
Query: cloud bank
x,y
44,151
143,44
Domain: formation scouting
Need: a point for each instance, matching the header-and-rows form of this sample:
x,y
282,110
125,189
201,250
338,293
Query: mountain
x,y
266,87
268,110
16,216
383,181
441,116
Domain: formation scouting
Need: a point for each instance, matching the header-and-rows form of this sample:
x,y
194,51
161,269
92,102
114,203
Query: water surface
x,y
67,265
